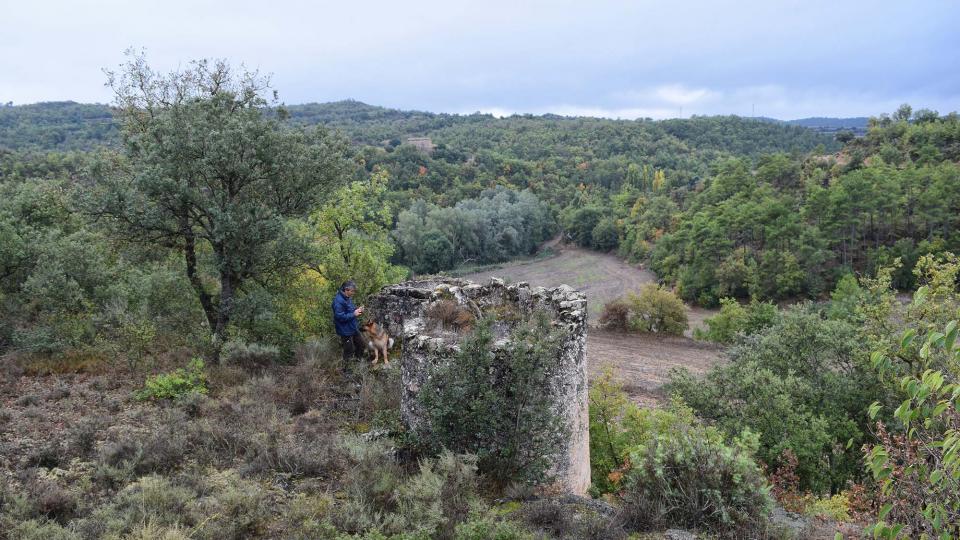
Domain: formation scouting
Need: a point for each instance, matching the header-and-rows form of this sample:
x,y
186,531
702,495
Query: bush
x,y
497,404
918,466
617,425
220,505
249,355
51,500
487,528
616,316
176,384
801,384
604,236
735,319
836,507
654,309
689,478
429,503
658,310
448,314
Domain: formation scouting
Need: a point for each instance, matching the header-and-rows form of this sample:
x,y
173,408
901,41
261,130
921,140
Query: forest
x,y
167,263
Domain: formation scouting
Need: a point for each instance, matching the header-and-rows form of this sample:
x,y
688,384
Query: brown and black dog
x,y
377,341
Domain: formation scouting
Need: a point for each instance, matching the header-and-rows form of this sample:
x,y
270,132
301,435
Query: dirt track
x,y
642,361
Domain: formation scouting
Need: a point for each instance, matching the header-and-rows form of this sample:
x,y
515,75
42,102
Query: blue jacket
x,y
343,318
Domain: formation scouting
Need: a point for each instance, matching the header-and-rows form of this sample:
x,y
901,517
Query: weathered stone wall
x,y
425,345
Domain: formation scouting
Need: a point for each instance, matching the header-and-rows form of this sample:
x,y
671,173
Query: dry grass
x,y
449,315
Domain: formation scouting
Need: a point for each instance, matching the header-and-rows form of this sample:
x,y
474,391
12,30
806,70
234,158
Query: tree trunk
x,y
190,257
225,311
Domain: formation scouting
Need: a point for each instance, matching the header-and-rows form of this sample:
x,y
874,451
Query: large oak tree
x,y
209,170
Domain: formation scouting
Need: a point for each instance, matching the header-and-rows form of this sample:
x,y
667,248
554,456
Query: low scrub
x,y
178,383
653,309
735,320
249,355
482,402
669,470
690,478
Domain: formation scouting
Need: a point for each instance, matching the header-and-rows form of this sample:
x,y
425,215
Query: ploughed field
x,y
641,361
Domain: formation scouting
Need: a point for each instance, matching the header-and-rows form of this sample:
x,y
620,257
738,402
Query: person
x,y
345,321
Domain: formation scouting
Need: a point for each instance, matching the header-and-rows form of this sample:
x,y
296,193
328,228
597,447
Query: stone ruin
x,y
405,311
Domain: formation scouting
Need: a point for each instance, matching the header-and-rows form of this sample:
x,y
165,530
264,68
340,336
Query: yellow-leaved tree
x,y
351,239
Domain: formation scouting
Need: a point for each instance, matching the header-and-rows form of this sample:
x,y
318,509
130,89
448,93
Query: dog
x,y
377,341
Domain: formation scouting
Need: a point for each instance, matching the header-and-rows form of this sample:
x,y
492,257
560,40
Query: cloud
x,y
609,58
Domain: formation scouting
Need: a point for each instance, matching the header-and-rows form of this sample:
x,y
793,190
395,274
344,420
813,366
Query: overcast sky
x,y
627,59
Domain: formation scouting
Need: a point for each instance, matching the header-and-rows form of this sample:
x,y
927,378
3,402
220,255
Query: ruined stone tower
x,y
403,310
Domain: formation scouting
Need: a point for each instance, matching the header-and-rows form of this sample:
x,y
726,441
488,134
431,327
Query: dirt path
x,y
642,362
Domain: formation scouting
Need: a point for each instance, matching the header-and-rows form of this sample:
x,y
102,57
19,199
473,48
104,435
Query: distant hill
x,y
67,126
59,125
820,122
827,125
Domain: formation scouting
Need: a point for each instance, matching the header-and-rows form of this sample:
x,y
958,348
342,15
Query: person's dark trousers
x,y
352,347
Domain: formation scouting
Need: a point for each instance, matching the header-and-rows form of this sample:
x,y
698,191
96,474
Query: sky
x,y
619,59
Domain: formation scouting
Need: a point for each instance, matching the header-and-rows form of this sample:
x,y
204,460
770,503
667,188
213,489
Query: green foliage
x,y
498,225
581,223
835,507
608,407
688,477
62,125
350,236
428,504
845,298
487,528
176,384
800,384
735,320
604,236
656,309
617,426
210,175
156,507
483,402
249,355
793,227
918,467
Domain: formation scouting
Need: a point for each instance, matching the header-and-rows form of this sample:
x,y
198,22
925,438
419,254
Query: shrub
x,y
319,354
548,515
617,425
51,500
132,454
448,314
41,530
429,503
801,384
487,528
497,404
249,355
836,507
689,478
658,310
604,236
918,469
82,436
735,319
616,316
177,383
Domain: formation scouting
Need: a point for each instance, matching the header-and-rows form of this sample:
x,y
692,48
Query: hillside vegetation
x,y
170,369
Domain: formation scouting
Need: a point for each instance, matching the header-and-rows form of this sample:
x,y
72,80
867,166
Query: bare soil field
x,y
642,361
